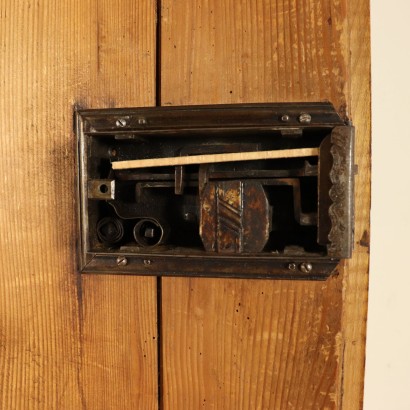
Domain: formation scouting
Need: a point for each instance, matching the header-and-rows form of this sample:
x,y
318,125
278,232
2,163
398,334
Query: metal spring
x,y
110,230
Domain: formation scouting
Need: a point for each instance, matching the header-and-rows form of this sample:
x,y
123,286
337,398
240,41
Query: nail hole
x,y
103,189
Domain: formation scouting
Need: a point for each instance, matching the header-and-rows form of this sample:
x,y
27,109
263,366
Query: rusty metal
x,y
110,230
279,218
101,189
179,180
336,187
235,217
150,233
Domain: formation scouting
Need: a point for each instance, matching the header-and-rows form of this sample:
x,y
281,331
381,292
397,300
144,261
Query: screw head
x,y
142,121
147,262
122,261
292,266
306,267
121,122
285,118
305,118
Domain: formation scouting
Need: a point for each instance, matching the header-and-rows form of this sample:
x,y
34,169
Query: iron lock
x,y
244,190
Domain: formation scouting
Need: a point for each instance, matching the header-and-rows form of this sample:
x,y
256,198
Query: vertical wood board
x,y
268,344
66,341
356,280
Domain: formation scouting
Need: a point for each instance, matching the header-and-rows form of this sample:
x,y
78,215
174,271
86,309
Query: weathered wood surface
x,y
245,344
67,342
355,279
91,342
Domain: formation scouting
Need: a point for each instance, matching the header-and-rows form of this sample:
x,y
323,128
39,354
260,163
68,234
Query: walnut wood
x,y
268,344
66,341
210,158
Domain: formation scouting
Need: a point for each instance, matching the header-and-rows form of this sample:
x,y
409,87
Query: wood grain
x,y
66,341
267,344
356,279
250,344
211,158
234,51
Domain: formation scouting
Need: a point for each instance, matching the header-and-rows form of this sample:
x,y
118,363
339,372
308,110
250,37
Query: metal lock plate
x,y
255,190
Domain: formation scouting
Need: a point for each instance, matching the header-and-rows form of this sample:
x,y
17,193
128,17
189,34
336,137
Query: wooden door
x,y
114,342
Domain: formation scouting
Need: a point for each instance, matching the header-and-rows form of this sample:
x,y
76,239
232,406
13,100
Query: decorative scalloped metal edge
x,y
341,209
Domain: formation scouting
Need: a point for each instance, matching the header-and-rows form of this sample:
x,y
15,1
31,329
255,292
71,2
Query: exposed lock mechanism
x,y
255,190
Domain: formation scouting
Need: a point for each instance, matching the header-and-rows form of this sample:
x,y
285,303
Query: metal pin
x,y
285,118
292,266
147,262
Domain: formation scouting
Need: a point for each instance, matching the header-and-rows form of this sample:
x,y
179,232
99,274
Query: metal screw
x,y
285,118
305,118
306,267
292,266
142,121
122,261
121,122
147,262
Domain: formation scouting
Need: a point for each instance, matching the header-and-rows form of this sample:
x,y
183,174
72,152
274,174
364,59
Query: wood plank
x,y
212,158
66,341
250,344
266,344
119,342
234,51
356,279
